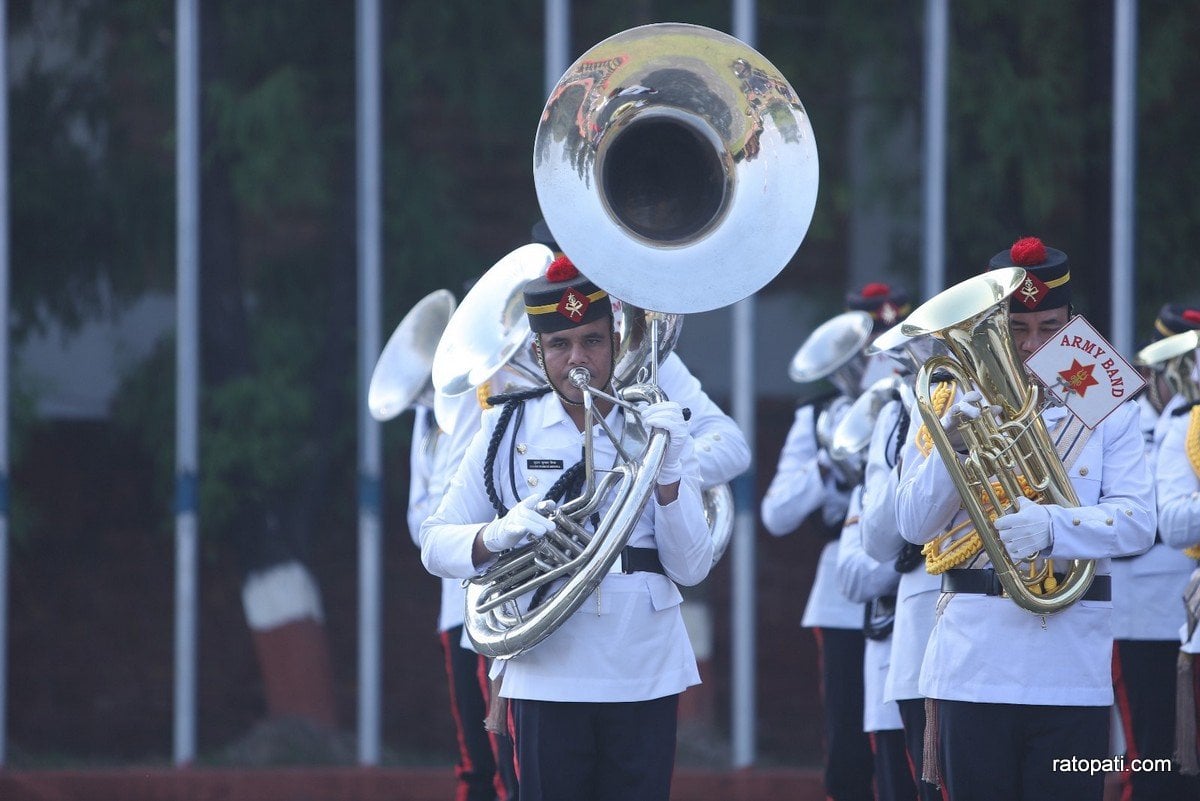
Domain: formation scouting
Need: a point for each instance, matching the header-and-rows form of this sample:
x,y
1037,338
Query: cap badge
x,y
1032,291
573,305
888,312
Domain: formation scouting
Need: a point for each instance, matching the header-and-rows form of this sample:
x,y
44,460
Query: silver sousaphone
x,y
678,170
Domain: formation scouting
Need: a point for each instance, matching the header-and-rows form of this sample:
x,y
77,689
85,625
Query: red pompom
x,y
561,269
1192,316
876,290
1028,252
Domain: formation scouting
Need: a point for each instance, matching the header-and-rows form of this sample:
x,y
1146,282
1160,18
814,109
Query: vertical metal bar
x,y
557,41
1124,167
187,370
744,617
4,273
933,262
369,441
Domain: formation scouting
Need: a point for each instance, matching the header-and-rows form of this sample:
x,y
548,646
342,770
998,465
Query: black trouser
x,y
595,751
1144,675
893,773
478,751
1017,752
912,714
848,759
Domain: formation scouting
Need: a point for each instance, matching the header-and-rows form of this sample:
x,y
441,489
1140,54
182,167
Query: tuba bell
x,y
1174,358
971,319
402,373
664,153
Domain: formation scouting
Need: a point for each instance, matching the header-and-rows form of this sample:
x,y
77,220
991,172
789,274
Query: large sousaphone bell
x,y
678,170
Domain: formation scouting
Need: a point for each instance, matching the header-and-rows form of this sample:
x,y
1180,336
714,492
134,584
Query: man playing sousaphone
x,y
1021,701
594,704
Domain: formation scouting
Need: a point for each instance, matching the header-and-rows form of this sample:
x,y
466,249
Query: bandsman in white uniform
x,y
1177,476
1147,615
1022,700
594,704
916,591
806,481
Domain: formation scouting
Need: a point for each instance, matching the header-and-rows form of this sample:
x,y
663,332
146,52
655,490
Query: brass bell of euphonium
x,y
971,319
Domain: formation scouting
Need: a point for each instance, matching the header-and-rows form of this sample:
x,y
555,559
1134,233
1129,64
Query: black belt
x,y
640,560
985,582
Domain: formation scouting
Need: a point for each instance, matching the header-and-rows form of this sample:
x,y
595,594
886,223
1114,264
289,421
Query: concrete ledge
x,y
359,784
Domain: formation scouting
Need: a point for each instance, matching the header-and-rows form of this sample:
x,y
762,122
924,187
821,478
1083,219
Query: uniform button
x,y
716,437
1129,512
706,447
532,481
1083,471
521,448
1075,521
1108,522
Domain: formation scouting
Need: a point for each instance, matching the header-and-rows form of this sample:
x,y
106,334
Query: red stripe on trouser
x,y
464,756
485,688
512,733
1121,692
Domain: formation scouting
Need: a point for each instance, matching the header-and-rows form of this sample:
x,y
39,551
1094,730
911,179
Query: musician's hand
x,y
1026,531
967,408
668,416
521,521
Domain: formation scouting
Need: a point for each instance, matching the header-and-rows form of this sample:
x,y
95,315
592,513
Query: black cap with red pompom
x,y
564,298
887,304
1047,283
1175,318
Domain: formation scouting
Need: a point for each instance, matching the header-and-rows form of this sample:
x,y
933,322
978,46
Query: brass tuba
x,y
971,319
678,170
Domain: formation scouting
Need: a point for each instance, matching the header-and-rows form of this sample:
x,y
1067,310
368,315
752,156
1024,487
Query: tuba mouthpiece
x,y
579,376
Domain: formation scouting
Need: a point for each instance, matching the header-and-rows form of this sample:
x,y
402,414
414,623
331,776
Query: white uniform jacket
x,y
1146,589
917,592
863,579
427,480
987,649
720,445
625,643
1178,496
797,490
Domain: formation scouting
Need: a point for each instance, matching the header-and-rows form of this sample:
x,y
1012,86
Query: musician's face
x,y
590,346
1031,330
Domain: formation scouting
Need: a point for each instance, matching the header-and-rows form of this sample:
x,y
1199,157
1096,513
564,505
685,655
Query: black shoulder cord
x,y
512,401
1184,409
910,555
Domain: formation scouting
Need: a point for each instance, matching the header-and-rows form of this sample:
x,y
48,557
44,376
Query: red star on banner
x,y
1078,378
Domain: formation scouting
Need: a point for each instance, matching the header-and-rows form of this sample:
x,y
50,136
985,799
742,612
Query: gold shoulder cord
x,y
1192,444
482,393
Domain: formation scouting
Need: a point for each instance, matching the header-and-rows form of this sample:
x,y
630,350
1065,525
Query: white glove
x,y
521,521
965,409
1026,531
668,416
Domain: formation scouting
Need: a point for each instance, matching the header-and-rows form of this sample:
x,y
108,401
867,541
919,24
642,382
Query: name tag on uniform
x,y
544,464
